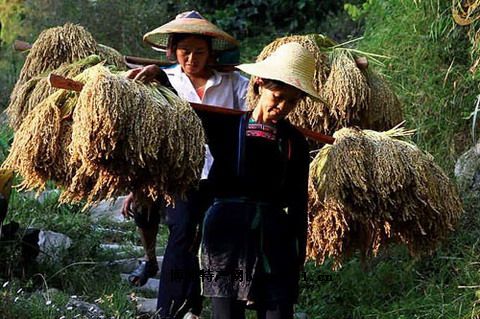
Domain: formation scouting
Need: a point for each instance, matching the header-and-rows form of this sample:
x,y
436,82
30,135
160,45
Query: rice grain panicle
x,y
370,189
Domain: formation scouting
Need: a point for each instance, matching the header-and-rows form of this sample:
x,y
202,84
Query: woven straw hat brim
x,y
221,40
290,64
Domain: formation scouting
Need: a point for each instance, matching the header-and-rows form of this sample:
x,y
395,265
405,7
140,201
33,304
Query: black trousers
x,y
179,290
227,308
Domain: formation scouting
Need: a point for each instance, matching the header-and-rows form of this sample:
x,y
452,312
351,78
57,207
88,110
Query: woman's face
x,y
192,54
276,102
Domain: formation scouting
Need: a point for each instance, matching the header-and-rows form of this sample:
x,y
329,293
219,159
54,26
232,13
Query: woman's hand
x,y
127,210
146,74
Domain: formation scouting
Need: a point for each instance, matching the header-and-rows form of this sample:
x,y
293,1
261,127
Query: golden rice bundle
x,y
369,189
34,91
111,57
384,109
354,96
40,147
55,49
346,89
56,46
128,136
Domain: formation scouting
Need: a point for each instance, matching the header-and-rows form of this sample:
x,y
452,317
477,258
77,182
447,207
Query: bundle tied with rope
x,y
369,189
39,151
352,96
134,137
121,136
57,49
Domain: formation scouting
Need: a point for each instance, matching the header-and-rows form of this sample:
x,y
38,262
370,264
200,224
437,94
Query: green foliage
x,y
356,12
429,68
247,18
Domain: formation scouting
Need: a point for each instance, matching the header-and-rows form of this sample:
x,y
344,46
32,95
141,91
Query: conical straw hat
x,y
291,63
191,22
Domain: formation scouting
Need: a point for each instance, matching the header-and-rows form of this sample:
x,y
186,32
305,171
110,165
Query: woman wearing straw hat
x,y
254,234
193,42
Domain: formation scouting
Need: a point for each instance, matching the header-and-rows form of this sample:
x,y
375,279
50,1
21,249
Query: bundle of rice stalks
x,y
131,137
39,151
369,189
111,57
384,109
354,96
56,49
56,46
346,89
34,91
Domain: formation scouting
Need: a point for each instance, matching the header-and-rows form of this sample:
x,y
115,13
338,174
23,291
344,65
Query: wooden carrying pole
x,y
61,82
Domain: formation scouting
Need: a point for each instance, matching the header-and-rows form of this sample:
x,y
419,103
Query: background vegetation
x,y
428,65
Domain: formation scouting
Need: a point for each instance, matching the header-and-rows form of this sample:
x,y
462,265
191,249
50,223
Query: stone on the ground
x,y
110,210
301,315
146,305
51,245
89,310
467,172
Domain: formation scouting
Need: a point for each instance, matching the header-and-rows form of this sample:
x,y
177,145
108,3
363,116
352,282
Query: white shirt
x,y
223,89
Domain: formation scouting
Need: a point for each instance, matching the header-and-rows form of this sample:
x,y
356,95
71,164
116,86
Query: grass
x,y
79,271
429,69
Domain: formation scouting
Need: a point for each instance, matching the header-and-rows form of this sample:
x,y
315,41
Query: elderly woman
x,y
194,43
254,234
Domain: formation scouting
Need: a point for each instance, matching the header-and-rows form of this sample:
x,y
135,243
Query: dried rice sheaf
x,y
54,48
370,189
34,91
132,137
40,147
346,89
384,109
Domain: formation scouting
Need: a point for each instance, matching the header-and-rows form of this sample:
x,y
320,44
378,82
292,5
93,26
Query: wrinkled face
x,y
192,54
277,102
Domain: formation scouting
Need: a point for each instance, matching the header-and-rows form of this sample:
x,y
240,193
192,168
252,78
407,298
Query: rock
x,y
52,245
301,315
89,310
146,305
467,172
110,210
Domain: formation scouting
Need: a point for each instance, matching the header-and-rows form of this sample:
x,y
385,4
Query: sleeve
x,y
240,85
